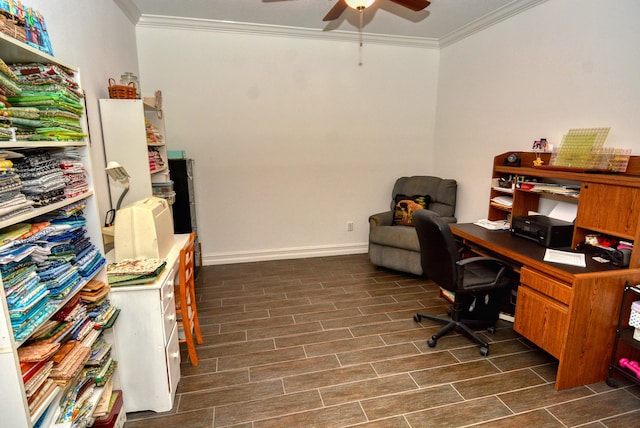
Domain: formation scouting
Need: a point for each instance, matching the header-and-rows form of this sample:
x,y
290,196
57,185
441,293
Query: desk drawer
x,y
546,285
541,320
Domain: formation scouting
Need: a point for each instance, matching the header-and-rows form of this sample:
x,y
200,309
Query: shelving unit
x,y
625,345
14,406
125,141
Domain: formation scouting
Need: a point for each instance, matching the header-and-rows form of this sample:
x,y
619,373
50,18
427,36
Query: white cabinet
x,y
13,399
147,338
125,138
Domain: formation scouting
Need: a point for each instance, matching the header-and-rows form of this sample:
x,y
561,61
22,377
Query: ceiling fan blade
x,y
415,5
336,11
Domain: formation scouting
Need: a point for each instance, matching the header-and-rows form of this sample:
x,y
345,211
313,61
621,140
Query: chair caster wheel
x,y
431,343
491,329
484,351
417,317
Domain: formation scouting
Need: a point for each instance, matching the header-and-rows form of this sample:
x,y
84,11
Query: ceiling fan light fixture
x,y
359,4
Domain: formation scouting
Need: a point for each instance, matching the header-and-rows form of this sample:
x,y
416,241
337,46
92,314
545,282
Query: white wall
x,y
96,37
561,65
292,139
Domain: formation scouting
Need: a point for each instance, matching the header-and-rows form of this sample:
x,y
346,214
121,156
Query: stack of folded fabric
x,y
70,243
42,178
95,295
75,404
34,280
156,163
27,298
20,119
89,261
69,352
37,352
36,376
101,365
8,86
153,134
36,368
12,201
50,89
59,329
8,82
69,361
75,175
66,330
134,271
60,277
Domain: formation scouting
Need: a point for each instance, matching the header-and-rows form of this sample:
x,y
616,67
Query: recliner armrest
x,y
381,219
386,218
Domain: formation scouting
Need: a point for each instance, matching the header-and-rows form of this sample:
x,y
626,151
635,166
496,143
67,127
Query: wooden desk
x,y
568,311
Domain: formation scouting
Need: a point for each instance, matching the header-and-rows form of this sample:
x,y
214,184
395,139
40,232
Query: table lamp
x,y
118,174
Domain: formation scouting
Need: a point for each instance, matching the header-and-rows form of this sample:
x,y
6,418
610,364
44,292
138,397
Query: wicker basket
x,y
126,92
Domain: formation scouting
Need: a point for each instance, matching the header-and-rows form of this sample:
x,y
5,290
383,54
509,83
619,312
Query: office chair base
x,y
460,326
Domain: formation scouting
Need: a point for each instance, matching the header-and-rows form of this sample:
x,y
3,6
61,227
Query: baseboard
x,y
283,254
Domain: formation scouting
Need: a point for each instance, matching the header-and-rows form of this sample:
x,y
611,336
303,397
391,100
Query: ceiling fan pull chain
x,y
361,11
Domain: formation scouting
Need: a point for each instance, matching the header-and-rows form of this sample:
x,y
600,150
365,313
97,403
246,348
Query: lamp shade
x,y
359,4
117,173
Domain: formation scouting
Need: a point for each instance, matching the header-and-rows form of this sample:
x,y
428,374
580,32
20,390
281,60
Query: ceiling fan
x,y
360,5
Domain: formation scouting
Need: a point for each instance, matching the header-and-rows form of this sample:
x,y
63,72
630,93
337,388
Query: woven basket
x,y
126,92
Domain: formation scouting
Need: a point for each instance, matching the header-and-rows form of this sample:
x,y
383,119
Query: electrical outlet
x,y
349,226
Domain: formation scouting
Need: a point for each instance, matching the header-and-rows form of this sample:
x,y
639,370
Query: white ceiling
x,y
441,19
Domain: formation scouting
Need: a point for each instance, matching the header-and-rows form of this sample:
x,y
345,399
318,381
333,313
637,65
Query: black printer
x,y
546,231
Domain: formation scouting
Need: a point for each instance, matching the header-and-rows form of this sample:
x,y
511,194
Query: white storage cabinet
x,y
125,141
147,338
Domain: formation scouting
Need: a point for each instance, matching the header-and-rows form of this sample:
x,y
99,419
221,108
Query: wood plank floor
x,y
330,342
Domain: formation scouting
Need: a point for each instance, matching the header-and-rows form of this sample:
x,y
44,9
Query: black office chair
x,y
479,283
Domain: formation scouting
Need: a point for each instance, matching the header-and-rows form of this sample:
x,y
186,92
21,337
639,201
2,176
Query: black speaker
x,y
512,159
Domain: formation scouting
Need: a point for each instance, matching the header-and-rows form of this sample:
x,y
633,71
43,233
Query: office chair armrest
x,y
482,259
492,262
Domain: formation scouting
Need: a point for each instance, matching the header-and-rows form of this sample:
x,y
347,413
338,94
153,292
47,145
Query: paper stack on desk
x,y
565,257
493,225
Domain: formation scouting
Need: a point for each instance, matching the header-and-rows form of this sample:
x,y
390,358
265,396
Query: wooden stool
x,y
186,309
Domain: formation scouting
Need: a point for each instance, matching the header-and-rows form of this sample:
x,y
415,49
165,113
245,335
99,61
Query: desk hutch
x,y
570,312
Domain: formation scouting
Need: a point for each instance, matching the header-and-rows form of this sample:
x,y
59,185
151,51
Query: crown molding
x,y
169,22
129,9
157,21
514,8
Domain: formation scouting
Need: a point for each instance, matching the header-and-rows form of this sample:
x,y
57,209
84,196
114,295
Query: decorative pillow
x,y
406,205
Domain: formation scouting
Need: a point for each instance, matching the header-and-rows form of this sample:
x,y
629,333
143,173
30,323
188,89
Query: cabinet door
x,y
595,210
544,321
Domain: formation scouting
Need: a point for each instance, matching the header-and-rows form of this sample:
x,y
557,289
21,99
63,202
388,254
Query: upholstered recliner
x,y
397,247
